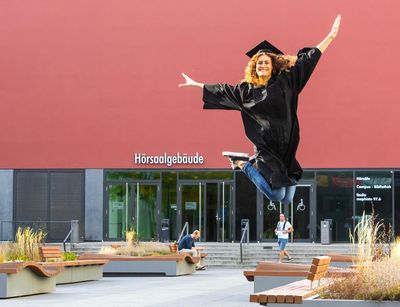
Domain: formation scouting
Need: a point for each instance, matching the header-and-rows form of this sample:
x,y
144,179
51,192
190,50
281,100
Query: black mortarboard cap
x,y
263,46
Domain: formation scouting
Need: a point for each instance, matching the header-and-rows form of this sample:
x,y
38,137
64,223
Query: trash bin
x,y
243,223
164,237
326,231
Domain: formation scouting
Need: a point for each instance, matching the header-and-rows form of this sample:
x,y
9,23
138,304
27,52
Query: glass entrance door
x,y
192,207
147,211
300,213
225,213
207,206
133,205
118,210
270,214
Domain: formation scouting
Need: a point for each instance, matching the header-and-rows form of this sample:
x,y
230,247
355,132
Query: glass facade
x,y
335,202
146,200
216,202
271,212
158,203
169,207
246,206
374,193
397,203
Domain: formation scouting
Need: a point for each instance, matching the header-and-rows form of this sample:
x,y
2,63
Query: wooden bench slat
x,y
319,268
280,298
50,248
74,263
343,258
175,257
253,298
275,266
15,267
52,255
321,260
50,252
289,299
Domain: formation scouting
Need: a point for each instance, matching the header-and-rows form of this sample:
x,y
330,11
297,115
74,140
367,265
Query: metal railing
x,y
65,240
73,234
245,231
185,227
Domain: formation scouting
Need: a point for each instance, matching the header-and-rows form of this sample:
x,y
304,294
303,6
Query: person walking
x,y
282,230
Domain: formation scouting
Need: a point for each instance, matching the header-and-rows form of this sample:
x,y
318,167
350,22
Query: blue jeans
x,y
282,243
284,194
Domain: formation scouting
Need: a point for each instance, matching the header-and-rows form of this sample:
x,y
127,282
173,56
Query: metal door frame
x,y
312,214
203,183
312,217
222,186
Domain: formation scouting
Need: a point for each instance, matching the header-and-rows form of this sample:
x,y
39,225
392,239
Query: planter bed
x,y
168,265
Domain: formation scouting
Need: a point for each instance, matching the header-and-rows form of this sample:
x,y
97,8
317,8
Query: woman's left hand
x,y
292,59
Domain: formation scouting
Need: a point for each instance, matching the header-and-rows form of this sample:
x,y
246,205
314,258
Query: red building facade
x,y
89,85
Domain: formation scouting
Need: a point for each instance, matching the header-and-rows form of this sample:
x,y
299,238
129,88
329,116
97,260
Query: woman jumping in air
x,y
267,100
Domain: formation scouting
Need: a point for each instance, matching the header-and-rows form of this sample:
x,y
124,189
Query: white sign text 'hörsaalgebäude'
x,y
167,159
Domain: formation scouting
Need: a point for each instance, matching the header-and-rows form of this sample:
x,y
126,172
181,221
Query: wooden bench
x,y
278,269
269,275
72,271
173,248
167,265
26,278
295,292
50,253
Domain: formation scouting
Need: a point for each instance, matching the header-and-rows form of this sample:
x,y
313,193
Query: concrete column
x,y
94,204
6,204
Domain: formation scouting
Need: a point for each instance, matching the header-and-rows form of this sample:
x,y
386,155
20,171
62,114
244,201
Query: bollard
x,y
75,231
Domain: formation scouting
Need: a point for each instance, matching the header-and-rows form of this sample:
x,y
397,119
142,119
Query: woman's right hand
x,y
190,82
335,27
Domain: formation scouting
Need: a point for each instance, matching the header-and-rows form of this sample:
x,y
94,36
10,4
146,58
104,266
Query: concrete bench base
x,y
25,283
168,265
262,283
79,274
166,268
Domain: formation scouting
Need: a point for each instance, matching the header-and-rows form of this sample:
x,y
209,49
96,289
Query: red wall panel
x,y
89,83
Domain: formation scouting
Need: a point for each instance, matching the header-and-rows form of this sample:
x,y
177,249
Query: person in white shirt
x,y
283,228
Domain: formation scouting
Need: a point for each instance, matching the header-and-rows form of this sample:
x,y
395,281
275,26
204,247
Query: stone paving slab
x,y
213,287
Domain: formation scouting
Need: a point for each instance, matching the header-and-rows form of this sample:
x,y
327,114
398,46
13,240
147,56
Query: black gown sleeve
x,y
307,59
223,96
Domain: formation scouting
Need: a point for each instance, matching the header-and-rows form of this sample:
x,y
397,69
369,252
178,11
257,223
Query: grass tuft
x,y
377,275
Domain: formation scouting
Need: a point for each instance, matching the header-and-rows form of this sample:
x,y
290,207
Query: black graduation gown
x,y
269,115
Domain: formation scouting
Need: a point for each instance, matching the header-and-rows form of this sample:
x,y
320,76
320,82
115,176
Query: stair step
x,y
228,254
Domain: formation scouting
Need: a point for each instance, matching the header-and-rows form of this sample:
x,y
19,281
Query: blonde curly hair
x,y
279,63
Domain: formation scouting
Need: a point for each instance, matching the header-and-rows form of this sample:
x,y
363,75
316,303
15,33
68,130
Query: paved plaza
x,y
213,287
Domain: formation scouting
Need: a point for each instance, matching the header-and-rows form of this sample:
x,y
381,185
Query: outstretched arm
x,y
190,82
218,96
331,36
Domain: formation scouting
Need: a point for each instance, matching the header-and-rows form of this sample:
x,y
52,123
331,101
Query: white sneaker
x,y
235,156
